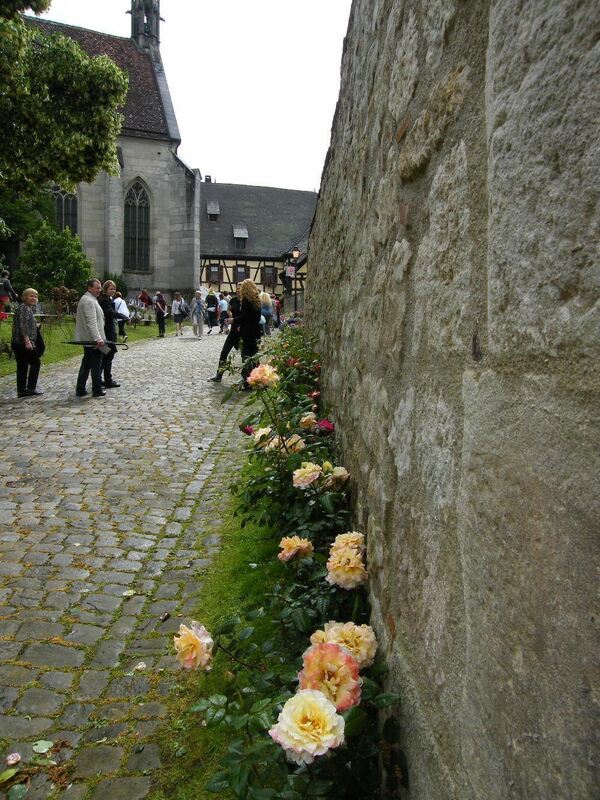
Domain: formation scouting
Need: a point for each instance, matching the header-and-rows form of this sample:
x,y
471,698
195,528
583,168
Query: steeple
x,y
145,22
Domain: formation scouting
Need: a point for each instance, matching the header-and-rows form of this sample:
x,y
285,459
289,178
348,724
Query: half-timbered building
x,y
251,232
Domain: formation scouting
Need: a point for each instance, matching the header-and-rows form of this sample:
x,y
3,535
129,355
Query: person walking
x,y
121,308
27,345
89,327
233,337
266,309
249,328
111,315
160,307
180,311
7,293
211,309
223,307
198,308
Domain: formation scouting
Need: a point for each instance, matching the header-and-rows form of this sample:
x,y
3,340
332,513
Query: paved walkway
x,y
101,505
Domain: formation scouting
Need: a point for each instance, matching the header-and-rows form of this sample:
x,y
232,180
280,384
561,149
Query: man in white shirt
x,y
89,327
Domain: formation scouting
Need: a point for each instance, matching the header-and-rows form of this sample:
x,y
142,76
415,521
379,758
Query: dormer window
x,y
213,210
240,236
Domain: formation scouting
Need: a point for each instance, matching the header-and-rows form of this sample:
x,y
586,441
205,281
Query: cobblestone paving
x,y
101,502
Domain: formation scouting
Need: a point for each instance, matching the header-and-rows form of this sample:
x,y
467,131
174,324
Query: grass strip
x,y
56,333
241,574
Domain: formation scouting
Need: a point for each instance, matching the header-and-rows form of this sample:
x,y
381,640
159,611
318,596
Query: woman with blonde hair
x,y
249,328
27,345
266,309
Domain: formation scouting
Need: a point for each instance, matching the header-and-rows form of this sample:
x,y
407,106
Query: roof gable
x,y
274,219
144,113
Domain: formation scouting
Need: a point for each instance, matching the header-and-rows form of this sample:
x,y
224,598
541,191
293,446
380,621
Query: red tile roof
x,y
143,112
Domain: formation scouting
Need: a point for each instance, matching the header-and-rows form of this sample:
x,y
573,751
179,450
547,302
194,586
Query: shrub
x,y
53,258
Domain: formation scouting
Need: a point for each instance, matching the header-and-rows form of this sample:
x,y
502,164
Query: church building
x,y
147,223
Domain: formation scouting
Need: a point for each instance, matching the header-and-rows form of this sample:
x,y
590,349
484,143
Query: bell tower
x,y
145,23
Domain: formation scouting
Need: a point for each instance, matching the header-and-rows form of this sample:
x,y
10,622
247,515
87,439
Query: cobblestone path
x,y
101,504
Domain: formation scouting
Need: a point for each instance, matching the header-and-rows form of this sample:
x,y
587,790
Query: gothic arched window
x,y
65,209
137,229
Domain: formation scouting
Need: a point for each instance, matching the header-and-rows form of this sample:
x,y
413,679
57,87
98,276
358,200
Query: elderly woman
x,y
27,345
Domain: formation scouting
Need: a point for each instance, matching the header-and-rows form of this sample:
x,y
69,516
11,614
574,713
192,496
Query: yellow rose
x,y
295,443
358,639
307,474
308,726
261,436
345,568
194,647
294,546
309,421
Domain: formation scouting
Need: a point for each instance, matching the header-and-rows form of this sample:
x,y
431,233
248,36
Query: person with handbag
x,y
180,311
28,345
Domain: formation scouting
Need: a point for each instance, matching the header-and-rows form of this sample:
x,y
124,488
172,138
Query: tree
x,y
59,114
52,258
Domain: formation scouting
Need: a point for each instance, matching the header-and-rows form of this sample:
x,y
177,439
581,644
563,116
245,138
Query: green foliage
x,y
24,215
264,643
52,258
12,8
60,107
118,280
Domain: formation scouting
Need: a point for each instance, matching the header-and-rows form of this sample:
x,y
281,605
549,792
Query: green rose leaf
x,y
8,774
386,699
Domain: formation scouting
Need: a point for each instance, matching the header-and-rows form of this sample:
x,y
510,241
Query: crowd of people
x,y
102,314
215,310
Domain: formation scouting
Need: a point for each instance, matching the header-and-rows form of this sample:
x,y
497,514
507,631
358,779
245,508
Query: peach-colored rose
x,y
331,669
261,436
294,546
307,474
334,476
308,726
309,421
358,639
295,443
194,647
263,375
345,567
351,539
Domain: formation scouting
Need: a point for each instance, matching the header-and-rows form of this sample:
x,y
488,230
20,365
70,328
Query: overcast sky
x,y
254,82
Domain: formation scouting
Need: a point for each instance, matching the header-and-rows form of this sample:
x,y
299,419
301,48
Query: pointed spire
x,y
145,22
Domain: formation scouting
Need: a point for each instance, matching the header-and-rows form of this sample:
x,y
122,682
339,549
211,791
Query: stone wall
x,y
455,249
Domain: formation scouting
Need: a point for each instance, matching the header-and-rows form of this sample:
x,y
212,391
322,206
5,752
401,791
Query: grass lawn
x,y
57,332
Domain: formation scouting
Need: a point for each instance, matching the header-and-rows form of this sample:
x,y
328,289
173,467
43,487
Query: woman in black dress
x,y
25,345
249,328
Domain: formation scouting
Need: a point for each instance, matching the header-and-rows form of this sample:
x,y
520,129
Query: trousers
x,y
90,363
28,367
232,340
